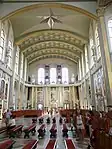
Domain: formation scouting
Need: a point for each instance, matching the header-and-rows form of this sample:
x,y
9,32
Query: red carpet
x,y
30,144
51,144
69,144
6,144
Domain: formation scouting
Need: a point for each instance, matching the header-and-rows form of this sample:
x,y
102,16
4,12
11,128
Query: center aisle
x,y
60,142
20,142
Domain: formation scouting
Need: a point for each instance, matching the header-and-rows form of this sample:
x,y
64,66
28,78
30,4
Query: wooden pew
x,y
7,144
27,113
53,131
51,144
54,120
41,131
15,131
3,129
32,144
60,120
69,144
48,120
34,120
29,129
41,120
65,131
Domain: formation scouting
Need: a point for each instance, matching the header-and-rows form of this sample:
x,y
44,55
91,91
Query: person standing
x,y
80,126
8,116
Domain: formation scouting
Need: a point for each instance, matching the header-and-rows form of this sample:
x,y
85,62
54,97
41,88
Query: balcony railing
x,y
76,83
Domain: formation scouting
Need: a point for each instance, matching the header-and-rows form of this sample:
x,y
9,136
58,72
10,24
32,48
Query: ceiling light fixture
x,y
51,19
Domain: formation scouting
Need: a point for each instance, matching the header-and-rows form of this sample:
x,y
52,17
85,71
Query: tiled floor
x,y
43,142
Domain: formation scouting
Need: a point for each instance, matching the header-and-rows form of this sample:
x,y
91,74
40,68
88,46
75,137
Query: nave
x,y
42,142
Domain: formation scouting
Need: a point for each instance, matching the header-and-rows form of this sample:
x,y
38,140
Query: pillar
x,y
32,98
105,55
12,82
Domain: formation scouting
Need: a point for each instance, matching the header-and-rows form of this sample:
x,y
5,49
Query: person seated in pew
x,y
60,120
34,120
41,120
48,120
54,120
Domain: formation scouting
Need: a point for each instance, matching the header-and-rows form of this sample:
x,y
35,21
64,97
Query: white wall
x,y
72,67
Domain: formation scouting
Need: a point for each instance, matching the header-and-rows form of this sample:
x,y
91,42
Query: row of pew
x,y
8,144
32,144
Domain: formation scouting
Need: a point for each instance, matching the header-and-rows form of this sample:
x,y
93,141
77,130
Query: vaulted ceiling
x,y
66,40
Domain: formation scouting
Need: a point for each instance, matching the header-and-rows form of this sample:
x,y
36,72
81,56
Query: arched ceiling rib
x,y
24,8
51,34
52,56
49,50
52,43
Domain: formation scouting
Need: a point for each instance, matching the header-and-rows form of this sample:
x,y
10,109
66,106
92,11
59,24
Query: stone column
x,y
35,98
12,82
19,97
73,96
105,55
32,98
62,96
48,97
92,98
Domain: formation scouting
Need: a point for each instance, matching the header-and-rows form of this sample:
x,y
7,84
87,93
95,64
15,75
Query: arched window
x,y
9,54
53,75
91,52
17,61
21,69
41,75
2,44
86,59
98,52
65,75
110,33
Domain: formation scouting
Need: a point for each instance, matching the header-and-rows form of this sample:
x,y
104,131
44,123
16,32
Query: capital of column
x,y
104,2
100,11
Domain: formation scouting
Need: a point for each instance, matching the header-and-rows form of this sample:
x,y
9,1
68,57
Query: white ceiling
x,y
74,27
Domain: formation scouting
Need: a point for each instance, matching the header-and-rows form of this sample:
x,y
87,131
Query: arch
x,y
73,53
43,42
52,5
26,36
52,55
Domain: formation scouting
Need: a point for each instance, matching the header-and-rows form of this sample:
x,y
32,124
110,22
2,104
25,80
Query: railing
x,y
30,84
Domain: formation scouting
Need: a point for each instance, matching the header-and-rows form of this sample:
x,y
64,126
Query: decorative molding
x,y
48,35
45,56
49,5
100,11
56,50
104,3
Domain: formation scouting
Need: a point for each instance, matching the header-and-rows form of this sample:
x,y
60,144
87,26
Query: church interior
x,y
55,60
